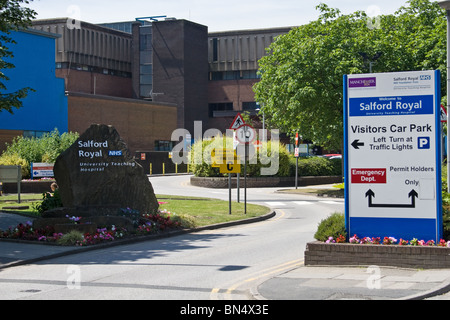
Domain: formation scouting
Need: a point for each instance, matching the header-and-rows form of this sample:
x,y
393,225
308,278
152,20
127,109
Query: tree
x,y
12,18
301,87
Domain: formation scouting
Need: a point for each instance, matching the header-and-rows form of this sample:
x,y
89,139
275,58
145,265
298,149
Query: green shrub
x,y
266,151
16,160
49,201
186,221
71,238
44,149
317,166
333,226
202,167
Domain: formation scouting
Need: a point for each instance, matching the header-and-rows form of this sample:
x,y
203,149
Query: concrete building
x,y
156,62
173,67
94,86
90,58
233,64
162,61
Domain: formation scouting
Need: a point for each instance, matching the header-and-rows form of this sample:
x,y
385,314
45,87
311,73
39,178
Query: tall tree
x,y
12,17
301,87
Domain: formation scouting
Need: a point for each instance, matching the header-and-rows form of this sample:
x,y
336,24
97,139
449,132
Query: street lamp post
x,y
446,5
264,122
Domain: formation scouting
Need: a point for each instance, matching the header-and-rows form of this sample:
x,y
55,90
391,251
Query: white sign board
x,y
42,170
392,155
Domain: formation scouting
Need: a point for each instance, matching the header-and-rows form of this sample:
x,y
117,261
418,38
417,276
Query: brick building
x,y
90,58
233,64
152,66
209,76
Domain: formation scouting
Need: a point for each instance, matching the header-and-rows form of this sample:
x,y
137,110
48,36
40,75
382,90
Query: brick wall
x,y
7,136
101,84
346,254
138,122
235,91
261,182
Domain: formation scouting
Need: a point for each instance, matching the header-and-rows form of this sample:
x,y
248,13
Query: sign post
x,y
246,134
392,155
297,154
227,162
237,122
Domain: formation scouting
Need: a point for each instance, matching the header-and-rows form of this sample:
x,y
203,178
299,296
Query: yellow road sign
x,y
221,157
230,167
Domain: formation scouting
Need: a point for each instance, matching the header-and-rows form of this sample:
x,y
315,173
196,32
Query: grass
x,y
337,191
199,211
205,211
27,199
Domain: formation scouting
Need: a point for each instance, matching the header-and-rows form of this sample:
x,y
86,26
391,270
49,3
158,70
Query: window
x,y
163,145
249,105
249,74
33,134
231,75
225,75
146,79
215,49
226,106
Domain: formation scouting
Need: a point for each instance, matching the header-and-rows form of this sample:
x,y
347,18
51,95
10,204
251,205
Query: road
x,y
216,264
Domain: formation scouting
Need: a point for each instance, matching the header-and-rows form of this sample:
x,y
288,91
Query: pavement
x,y
299,283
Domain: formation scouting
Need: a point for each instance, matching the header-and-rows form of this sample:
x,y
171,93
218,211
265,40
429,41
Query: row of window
x,y
233,75
147,70
228,106
81,67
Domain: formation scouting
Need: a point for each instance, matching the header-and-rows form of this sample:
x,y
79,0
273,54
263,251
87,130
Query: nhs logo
x,y
423,142
115,153
425,77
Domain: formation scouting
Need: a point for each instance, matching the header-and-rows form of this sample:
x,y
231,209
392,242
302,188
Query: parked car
x,y
332,156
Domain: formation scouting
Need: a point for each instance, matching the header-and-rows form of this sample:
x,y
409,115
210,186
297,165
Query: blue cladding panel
x,y
46,108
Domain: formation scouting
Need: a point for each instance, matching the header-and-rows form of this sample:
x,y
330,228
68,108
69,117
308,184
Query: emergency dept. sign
x,y
392,155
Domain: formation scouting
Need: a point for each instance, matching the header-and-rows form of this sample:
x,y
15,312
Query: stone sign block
x,y
98,174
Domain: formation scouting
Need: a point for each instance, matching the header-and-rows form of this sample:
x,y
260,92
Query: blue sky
x,y
217,15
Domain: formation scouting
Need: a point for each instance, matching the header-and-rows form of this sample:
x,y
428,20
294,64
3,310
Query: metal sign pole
x,y
238,177
229,193
297,154
245,179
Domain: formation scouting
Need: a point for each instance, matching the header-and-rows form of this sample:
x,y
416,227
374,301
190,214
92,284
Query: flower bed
x,y
374,251
388,241
147,224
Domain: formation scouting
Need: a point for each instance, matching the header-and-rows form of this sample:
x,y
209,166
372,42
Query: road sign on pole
x,y
230,167
443,114
246,134
392,155
237,122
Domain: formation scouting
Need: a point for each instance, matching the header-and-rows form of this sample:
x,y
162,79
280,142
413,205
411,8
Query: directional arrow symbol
x,y
413,195
356,144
